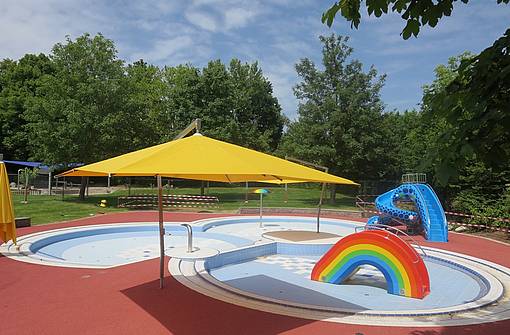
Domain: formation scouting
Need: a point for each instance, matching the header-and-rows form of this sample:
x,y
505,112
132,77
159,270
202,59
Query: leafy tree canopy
x,y
475,105
19,82
235,103
416,13
75,114
340,114
83,104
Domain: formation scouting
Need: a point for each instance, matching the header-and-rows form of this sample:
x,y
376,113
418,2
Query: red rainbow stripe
x,y
403,268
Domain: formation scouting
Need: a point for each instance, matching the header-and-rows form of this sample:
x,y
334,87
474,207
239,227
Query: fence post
x,y
49,182
25,201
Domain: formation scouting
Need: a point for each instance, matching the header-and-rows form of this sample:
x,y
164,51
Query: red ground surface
x,y
38,299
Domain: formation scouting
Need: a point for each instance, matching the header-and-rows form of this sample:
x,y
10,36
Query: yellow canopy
x,y
202,158
7,224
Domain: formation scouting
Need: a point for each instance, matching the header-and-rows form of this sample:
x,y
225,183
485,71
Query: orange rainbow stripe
x,y
402,267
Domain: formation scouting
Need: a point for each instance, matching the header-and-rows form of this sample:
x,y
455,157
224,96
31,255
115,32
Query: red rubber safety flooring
x,y
37,299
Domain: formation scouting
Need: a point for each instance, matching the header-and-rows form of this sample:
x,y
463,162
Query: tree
x,y
216,101
76,114
256,112
143,103
27,176
475,105
475,180
19,82
340,114
235,103
402,142
433,123
416,13
182,98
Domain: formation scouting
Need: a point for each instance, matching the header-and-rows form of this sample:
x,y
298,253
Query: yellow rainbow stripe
x,y
335,264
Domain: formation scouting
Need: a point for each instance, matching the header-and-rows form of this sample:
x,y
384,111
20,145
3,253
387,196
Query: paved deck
x,y
38,299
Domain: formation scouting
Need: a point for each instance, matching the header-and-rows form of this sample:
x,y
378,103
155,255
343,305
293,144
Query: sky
x,y
276,33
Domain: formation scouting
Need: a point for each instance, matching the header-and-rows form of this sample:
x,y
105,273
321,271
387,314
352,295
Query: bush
x,y
471,202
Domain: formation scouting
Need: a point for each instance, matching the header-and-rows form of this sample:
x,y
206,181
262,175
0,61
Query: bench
x,y
150,201
23,222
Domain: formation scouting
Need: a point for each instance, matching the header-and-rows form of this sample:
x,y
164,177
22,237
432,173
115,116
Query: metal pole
x,y
190,236
286,193
109,177
320,206
323,185
246,194
261,225
193,125
63,188
19,185
49,182
26,186
161,233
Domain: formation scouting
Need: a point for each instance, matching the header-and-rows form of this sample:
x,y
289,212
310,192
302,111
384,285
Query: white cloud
x,y
201,19
277,33
29,27
282,75
165,49
238,17
222,15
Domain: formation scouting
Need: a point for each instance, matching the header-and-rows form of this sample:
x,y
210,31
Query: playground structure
x,y
429,214
402,267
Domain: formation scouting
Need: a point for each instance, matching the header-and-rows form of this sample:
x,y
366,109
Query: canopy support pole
x,y
320,206
325,169
161,233
195,125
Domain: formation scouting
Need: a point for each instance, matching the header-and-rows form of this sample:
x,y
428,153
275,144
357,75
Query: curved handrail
x,y
190,236
383,226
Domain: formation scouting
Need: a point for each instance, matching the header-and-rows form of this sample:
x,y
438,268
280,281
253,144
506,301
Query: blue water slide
x,y
430,211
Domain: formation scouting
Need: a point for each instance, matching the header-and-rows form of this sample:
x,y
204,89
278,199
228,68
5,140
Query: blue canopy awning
x,y
38,165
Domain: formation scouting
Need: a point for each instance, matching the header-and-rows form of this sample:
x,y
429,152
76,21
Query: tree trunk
x,y
332,194
83,187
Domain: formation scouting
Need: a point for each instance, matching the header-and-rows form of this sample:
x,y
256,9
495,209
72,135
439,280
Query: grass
x,y
46,209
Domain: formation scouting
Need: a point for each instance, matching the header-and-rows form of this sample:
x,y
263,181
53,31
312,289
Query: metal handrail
x,y
414,178
190,236
381,226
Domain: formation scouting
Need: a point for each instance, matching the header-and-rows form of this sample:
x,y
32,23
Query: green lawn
x,y
46,209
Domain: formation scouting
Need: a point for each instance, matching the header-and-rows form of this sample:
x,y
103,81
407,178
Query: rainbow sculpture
x,y
402,267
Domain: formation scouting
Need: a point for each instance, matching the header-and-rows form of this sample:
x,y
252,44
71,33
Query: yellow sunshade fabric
x,y
202,158
7,224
